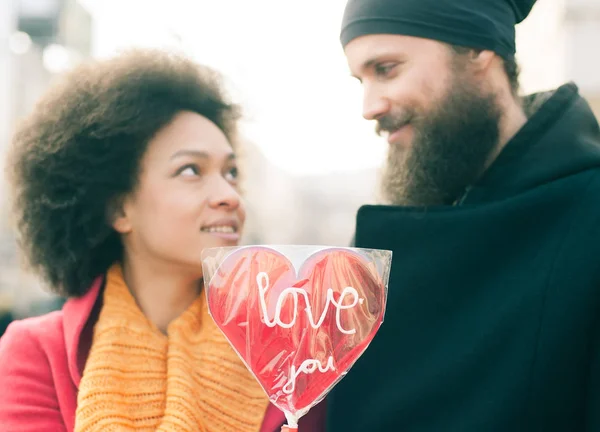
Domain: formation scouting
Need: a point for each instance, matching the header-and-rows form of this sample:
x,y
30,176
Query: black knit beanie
x,y
481,24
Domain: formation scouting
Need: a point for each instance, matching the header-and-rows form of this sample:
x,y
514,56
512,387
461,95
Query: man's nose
x,y
375,104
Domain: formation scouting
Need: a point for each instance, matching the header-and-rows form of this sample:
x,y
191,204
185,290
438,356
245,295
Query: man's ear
x,y
118,216
481,60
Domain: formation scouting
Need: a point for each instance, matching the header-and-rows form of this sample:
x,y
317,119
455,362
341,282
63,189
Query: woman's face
x,y
186,198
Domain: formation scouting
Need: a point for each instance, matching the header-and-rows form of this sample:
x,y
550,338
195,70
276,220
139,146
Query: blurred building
x,y
558,43
317,209
38,39
582,28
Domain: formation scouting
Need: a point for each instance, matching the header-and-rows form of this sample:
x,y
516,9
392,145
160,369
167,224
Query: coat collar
x,y
79,316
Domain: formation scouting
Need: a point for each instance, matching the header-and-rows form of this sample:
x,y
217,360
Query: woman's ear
x,y
117,215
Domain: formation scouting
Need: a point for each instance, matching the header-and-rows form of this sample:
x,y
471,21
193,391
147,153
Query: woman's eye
x,y
232,174
188,171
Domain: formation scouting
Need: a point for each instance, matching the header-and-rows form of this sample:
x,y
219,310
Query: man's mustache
x,y
392,122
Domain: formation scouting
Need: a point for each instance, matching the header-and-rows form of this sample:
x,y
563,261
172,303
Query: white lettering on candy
x,y
262,279
308,366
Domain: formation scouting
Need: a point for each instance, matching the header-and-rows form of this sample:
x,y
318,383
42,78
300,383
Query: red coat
x,y
41,362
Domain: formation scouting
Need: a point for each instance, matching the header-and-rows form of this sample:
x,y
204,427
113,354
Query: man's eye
x,y
382,70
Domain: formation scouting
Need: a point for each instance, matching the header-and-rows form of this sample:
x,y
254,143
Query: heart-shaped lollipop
x,y
298,332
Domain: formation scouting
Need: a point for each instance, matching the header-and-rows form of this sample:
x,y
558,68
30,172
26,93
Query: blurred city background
x,y
311,160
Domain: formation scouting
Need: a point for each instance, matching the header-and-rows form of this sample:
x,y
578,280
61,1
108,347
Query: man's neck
x,y
512,120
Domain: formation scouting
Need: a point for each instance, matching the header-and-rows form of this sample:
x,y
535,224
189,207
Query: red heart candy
x,y
326,317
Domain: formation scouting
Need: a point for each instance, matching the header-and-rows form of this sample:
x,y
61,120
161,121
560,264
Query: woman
x,y
123,173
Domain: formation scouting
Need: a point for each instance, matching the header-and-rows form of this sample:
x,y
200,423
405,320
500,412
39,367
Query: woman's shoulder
x,y
55,335
37,391
33,336
32,352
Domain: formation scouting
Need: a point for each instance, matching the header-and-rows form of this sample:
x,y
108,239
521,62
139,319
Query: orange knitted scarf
x,y
138,379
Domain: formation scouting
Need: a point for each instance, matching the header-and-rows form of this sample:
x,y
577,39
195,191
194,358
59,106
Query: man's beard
x,y
451,146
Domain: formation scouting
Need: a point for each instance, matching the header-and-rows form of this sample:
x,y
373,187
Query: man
x,y
493,314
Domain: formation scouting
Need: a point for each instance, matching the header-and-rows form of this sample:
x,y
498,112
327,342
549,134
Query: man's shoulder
x,y
588,195
594,178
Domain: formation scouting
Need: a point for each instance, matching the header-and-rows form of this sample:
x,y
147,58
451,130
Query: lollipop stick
x,y
292,423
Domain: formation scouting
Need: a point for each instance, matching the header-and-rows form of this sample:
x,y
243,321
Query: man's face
x,y
441,126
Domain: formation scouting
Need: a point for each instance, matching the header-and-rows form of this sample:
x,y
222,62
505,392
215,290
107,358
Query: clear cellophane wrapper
x,y
299,317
